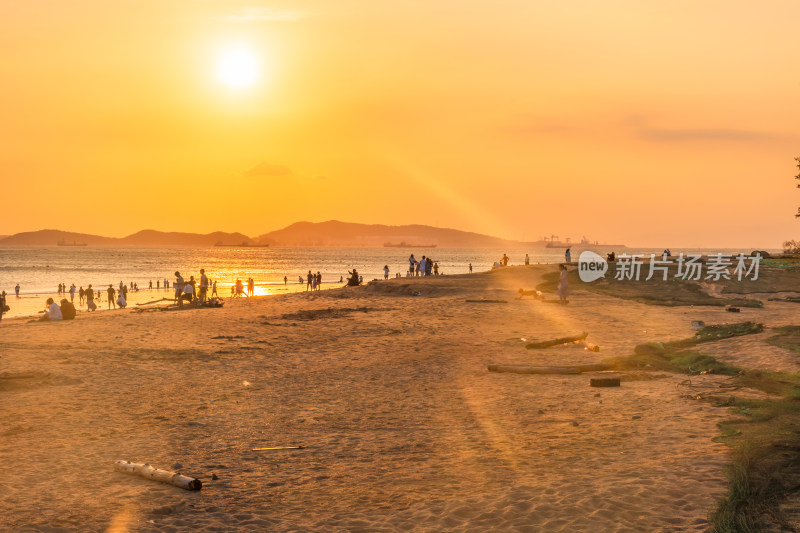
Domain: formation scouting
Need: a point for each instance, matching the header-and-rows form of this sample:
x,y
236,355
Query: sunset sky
x,y
648,123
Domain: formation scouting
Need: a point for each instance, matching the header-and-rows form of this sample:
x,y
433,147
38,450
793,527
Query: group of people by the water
x,y
313,281
195,291
239,290
423,267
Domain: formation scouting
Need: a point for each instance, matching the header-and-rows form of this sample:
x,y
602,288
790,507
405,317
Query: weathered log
x,y
148,472
604,382
527,369
156,301
487,301
556,342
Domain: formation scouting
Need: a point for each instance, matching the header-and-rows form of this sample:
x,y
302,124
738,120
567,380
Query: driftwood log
x,y
156,301
527,369
604,382
556,342
148,472
486,301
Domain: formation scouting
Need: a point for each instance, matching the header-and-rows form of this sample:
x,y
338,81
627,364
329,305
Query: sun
x,y
238,67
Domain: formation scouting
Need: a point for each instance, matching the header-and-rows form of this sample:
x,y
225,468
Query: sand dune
x,y
403,427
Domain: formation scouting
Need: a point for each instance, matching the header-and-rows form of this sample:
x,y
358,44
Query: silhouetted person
x,y
90,299
203,285
111,293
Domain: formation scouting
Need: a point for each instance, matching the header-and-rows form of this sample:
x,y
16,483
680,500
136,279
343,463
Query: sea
x,y
39,270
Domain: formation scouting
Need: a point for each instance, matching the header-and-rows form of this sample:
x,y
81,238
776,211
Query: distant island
x,y
331,233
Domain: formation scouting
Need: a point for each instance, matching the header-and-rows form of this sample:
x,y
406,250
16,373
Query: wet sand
x,y
402,425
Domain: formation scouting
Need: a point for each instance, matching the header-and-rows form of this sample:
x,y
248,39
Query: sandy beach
x,y
402,426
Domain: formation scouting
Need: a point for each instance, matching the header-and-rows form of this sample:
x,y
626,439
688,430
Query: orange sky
x,y
649,123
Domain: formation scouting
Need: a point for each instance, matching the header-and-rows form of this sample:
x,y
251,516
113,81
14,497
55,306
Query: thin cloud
x,y
268,170
528,125
679,135
264,14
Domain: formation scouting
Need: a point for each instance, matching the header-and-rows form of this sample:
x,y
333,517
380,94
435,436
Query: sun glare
x,y
238,68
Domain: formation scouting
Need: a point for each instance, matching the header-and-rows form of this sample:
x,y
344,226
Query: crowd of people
x,y
199,291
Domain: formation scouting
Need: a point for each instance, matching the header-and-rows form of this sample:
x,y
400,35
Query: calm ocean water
x,y
39,270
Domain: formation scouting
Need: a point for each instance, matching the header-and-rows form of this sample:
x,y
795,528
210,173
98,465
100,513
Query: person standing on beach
x,y
285,280
319,280
203,285
72,293
111,292
16,289
308,280
470,268
568,256
385,271
214,288
563,290
193,291
81,295
2,304
90,298
527,260
178,285
505,260
151,284
411,263
251,287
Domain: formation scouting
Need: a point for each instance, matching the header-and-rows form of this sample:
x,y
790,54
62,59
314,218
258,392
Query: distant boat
x,y
73,243
586,243
242,245
553,242
404,244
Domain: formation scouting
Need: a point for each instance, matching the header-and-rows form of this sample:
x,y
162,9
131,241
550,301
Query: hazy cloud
x,y
268,170
264,14
678,135
527,124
